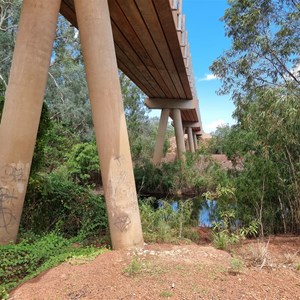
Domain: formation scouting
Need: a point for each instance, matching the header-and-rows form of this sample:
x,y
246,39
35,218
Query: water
x,y
205,216
205,213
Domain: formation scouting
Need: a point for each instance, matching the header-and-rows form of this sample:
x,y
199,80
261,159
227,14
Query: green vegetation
x,y
165,294
167,223
195,176
236,265
35,254
227,232
134,267
259,195
261,71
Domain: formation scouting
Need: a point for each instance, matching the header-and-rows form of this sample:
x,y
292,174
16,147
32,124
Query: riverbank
x,y
164,271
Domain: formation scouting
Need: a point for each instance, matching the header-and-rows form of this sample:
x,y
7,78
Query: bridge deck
x,y
151,48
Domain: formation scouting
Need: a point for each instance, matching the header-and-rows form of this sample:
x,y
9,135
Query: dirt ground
x,y
254,270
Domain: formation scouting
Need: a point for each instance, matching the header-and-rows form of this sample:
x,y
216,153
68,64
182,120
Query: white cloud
x,y
76,33
208,77
213,125
296,70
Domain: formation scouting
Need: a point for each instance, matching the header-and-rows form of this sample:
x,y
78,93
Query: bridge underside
x,y
151,49
147,41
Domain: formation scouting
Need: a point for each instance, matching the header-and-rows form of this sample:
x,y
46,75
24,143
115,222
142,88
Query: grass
x,y
134,267
290,258
166,224
165,294
138,266
23,261
260,254
236,265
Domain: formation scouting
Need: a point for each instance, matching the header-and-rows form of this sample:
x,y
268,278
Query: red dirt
x,y
176,272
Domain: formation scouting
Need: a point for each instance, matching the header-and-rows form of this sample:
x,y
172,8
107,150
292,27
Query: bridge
x,y
147,40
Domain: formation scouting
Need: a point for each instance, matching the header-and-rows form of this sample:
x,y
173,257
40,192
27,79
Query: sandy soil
x,y
163,271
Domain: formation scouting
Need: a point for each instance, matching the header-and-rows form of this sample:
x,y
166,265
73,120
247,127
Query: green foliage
x,y
54,201
83,163
66,94
1,105
60,140
265,47
141,129
166,223
134,267
165,294
195,176
10,11
264,148
38,160
31,256
236,265
227,232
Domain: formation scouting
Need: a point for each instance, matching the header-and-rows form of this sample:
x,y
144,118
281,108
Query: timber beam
x,y
191,124
162,103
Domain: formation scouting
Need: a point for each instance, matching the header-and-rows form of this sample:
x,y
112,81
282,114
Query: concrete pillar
x,y
179,133
109,122
191,139
195,141
159,145
22,108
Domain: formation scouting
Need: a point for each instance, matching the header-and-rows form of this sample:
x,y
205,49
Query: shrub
x,y
54,201
25,260
167,223
83,163
226,231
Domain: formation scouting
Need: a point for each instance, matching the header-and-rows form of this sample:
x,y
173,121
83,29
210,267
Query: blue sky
x,y
207,41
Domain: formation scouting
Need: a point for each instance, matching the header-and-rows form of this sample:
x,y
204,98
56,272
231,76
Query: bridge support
x,y
109,121
179,133
159,145
22,108
195,141
191,139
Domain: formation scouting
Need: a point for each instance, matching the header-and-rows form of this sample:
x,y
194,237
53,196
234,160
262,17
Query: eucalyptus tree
x,y
9,15
262,72
66,94
265,47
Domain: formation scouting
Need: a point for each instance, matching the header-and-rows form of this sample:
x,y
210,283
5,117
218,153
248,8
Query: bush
x,y
83,163
168,223
193,177
54,201
31,256
226,232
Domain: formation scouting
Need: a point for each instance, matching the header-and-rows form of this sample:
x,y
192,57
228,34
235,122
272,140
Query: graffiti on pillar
x,y
122,194
13,179
6,215
16,174
122,222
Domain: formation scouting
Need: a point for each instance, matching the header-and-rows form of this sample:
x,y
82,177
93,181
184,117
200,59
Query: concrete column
x,y
191,139
195,141
109,122
159,145
179,133
22,109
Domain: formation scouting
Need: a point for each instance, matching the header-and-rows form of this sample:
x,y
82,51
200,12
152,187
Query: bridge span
x,y
148,41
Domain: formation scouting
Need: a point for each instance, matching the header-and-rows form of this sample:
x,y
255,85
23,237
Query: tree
x,y
265,47
9,15
267,143
141,129
67,94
